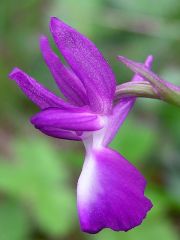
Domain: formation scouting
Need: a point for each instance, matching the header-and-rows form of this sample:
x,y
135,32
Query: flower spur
x,y
110,190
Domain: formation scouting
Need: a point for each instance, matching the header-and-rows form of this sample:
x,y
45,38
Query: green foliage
x,y
135,140
164,7
158,229
86,10
38,177
14,224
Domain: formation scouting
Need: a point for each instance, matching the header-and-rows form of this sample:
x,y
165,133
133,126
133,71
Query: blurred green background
x,y
38,174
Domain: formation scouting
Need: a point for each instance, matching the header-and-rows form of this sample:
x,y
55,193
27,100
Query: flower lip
x,y
117,201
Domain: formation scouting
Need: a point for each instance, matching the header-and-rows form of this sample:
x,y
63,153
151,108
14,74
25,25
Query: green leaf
x,y
55,211
14,223
135,140
158,229
39,177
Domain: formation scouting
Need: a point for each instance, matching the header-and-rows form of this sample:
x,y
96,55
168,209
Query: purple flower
x,y
110,191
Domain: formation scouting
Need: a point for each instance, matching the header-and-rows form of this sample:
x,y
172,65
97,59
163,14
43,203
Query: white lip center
x,y
86,181
94,140
88,184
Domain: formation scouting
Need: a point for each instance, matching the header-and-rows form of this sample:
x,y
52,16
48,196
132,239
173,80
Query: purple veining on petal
x,y
88,63
121,110
67,120
110,193
41,96
67,81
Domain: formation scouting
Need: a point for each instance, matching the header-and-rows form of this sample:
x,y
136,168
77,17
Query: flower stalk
x,y
135,89
157,87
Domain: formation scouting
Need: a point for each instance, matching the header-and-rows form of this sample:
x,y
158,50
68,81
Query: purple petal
x,y
88,63
136,67
110,193
60,133
79,120
36,92
67,81
122,109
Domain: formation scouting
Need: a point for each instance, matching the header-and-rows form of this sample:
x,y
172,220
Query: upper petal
x,y
79,120
110,193
41,96
67,81
121,110
88,63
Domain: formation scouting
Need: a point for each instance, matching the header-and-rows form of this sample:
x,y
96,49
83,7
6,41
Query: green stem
x,y
133,89
167,94
159,89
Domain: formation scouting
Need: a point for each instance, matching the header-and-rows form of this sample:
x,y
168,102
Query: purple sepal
x,y
69,84
38,94
88,64
79,120
110,193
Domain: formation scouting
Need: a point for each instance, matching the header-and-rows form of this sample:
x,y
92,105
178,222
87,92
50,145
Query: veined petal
x,y
60,133
121,110
110,193
67,81
88,63
37,92
79,120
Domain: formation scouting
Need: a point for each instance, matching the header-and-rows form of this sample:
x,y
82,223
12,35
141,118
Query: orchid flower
x,y
110,190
